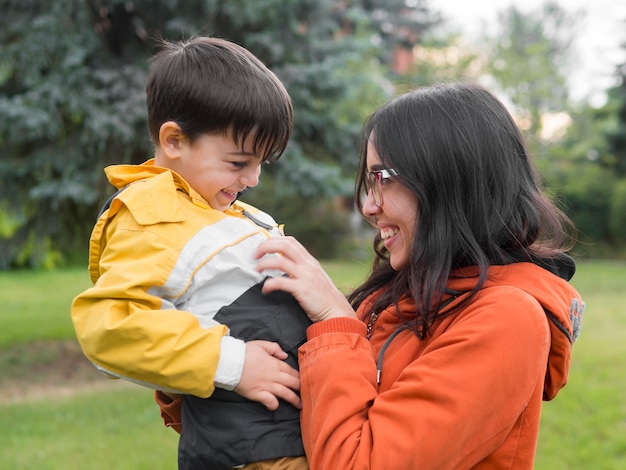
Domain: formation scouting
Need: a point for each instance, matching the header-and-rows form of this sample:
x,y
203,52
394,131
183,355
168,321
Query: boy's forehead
x,y
248,144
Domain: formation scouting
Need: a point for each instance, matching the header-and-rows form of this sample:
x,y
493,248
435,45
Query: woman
x,y
442,357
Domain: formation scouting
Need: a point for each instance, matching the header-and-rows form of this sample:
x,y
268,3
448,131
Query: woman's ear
x,y
171,140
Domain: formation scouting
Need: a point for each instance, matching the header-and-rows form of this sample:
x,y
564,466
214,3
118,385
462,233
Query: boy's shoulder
x,y
150,197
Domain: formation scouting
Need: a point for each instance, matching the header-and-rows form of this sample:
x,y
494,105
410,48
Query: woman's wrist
x,y
339,324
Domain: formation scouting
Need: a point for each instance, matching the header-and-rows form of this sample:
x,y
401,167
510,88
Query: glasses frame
x,y
374,183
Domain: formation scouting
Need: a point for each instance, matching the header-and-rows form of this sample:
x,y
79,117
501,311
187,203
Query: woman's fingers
x,y
305,279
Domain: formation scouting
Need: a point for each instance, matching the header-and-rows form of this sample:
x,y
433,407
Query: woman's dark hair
x,y
457,148
210,85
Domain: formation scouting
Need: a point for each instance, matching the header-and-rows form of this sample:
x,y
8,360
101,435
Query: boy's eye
x,y
239,164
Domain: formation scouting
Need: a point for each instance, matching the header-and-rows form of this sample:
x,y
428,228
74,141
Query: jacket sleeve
x,y
170,410
445,403
128,332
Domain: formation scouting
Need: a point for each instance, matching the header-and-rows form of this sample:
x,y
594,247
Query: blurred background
x,y
72,101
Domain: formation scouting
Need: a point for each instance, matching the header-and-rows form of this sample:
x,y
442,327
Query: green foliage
x,y
581,188
9,222
610,129
615,110
66,107
72,100
439,59
400,24
617,215
582,170
588,194
529,57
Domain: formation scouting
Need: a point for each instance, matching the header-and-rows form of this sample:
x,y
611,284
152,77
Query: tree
x,y
583,169
529,58
399,26
616,140
67,106
71,101
616,135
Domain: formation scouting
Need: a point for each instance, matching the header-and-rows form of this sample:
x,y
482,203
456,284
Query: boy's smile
x,y
214,165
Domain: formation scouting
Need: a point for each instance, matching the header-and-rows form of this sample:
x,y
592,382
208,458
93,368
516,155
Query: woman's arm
x,y
448,402
170,405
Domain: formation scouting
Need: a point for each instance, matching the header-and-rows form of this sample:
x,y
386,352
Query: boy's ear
x,y
171,139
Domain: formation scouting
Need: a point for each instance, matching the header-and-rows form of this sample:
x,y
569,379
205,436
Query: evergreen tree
x,y
72,74
616,136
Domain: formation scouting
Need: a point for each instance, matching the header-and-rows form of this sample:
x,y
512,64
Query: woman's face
x,y
396,218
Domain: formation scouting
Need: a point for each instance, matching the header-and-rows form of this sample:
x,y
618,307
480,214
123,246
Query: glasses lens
x,y
373,183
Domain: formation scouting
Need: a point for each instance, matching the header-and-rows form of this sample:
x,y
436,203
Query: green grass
x,y
36,305
583,428
347,275
117,430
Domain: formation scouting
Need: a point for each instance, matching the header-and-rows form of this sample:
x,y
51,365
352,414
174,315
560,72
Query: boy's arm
x,y
262,383
129,326
129,332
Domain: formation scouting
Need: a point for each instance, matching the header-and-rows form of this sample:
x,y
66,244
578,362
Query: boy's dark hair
x,y
210,85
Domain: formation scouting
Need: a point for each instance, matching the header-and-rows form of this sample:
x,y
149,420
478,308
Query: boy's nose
x,y
251,178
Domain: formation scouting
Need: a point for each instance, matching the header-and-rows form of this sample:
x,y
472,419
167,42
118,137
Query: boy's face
x,y
217,168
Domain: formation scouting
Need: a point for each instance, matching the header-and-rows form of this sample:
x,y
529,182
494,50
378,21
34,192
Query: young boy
x,y
176,303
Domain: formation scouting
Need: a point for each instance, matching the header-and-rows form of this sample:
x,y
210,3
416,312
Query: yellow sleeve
x,y
130,333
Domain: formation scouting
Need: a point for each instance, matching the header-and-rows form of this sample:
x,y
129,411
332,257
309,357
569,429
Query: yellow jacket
x,y
163,262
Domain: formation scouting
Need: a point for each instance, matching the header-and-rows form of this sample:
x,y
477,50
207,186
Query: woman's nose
x,y
369,207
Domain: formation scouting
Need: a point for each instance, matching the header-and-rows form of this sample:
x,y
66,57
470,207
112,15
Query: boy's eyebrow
x,y
244,153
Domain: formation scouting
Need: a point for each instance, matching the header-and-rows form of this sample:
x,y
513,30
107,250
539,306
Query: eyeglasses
x,y
374,183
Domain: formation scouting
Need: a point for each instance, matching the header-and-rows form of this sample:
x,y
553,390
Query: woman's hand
x,y
305,279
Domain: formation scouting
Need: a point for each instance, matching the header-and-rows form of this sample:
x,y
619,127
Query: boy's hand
x,y
266,376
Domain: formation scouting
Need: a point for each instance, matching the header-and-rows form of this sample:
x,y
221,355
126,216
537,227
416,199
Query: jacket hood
x,y
121,176
547,282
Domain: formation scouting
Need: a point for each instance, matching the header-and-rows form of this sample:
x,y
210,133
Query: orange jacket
x,y
469,396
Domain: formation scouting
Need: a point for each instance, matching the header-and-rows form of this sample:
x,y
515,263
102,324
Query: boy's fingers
x,y
290,397
268,400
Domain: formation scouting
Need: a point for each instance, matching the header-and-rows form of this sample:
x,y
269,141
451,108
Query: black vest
x,y
226,429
